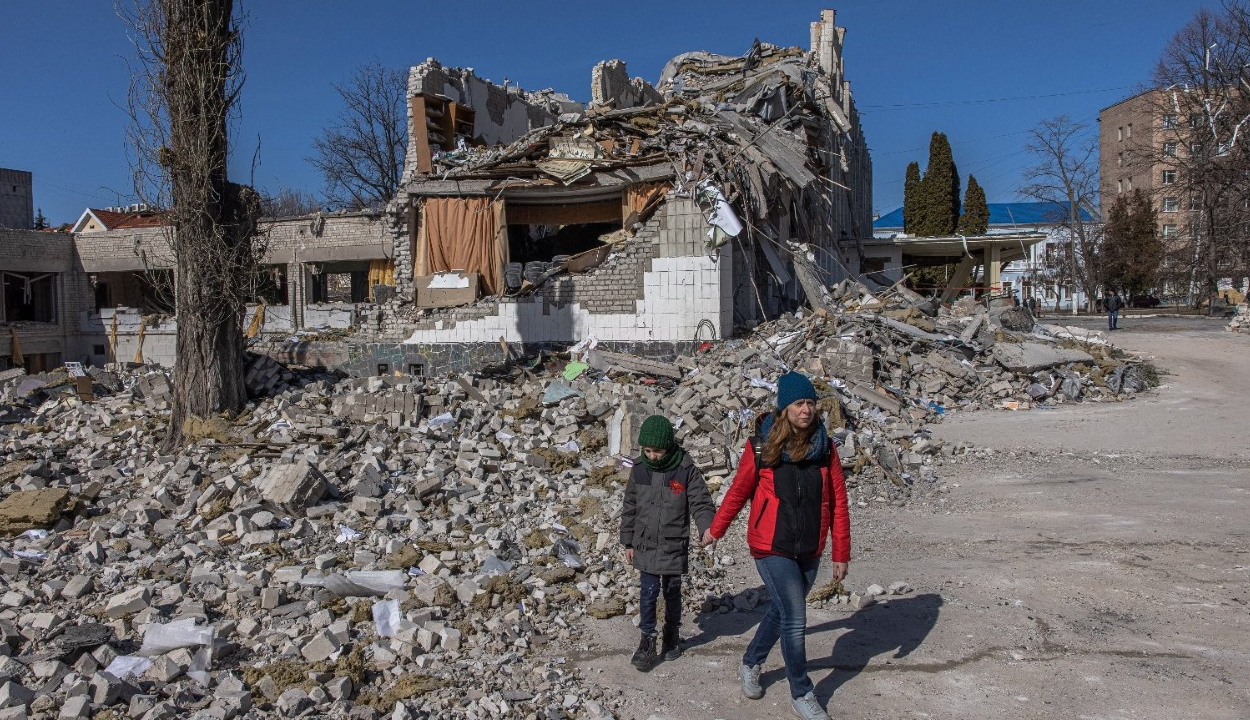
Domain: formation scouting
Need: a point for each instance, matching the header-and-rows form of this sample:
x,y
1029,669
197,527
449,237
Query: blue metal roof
x,y
1002,215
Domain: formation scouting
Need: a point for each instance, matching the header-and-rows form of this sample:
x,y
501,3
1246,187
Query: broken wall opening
x,y
270,285
150,291
29,297
338,282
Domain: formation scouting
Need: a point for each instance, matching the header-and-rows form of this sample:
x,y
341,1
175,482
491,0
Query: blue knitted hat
x,y
794,386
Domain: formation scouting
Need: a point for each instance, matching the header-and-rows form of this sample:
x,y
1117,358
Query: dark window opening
x,y
345,282
99,350
542,243
33,362
156,290
270,285
29,297
416,370
101,296
872,264
384,368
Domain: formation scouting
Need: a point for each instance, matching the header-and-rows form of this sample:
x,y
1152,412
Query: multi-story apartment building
x,y
1159,141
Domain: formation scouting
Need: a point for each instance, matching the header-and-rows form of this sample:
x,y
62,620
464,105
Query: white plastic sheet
x,y
160,639
125,667
386,618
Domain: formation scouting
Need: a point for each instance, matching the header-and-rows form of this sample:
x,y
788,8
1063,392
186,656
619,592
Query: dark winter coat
x,y
655,520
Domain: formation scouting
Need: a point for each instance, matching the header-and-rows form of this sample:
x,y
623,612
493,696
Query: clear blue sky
x,y
982,71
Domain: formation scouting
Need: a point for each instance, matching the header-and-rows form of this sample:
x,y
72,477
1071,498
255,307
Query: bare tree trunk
x,y
213,219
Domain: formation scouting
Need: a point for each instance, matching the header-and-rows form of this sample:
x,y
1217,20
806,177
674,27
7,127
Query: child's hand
x,y
629,555
839,571
708,539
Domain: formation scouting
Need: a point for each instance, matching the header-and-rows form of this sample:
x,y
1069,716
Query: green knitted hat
x,y
657,432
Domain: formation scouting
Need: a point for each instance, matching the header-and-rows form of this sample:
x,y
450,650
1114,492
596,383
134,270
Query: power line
x,y
983,101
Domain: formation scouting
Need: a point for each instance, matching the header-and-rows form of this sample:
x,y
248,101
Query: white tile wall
x,y
679,292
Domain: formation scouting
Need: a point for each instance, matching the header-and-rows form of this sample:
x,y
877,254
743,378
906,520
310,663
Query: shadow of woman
x,y
713,625
900,625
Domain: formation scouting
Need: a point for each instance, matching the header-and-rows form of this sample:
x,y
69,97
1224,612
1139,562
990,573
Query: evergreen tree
x,y
41,222
911,197
938,211
1132,249
975,219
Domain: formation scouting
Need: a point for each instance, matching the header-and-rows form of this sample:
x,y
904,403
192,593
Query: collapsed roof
x,y
773,132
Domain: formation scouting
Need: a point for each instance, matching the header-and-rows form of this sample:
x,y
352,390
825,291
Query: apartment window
x,y
1195,122
1119,133
1171,204
1169,231
1169,149
1169,122
1169,177
28,297
1119,186
1194,203
1128,130
1195,149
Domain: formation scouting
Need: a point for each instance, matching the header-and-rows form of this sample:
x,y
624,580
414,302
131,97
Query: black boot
x,y
644,657
671,647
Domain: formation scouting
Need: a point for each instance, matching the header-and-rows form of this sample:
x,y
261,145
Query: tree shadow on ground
x,y
900,625
716,624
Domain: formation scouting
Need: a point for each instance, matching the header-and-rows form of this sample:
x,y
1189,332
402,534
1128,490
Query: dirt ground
x,y
1095,566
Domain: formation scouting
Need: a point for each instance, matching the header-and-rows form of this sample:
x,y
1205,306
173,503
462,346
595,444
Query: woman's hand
x,y
707,538
629,555
839,571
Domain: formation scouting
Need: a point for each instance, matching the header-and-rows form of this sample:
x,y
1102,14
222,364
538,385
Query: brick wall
x,y
661,289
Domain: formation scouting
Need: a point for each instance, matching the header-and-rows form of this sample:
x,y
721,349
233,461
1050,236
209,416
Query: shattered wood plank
x,y
602,360
809,279
472,391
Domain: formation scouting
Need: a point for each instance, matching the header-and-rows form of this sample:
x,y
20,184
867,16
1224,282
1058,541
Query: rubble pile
x,y
1241,319
415,547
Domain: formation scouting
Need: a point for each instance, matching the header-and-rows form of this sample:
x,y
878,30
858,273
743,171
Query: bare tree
x,y
361,156
189,53
1066,174
1202,112
287,203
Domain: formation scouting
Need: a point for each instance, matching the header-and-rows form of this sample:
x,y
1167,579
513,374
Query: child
x,y
663,491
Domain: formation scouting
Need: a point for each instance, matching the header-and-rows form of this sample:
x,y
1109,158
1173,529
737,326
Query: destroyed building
x,y
652,219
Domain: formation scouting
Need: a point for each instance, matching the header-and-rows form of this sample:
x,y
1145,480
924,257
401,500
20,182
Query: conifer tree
x,y
975,219
938,208
41,222
911,197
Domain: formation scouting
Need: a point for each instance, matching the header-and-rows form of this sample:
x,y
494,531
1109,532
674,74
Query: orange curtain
x,y
467,234
381,272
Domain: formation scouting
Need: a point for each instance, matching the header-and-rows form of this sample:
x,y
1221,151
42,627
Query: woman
x,y
793,478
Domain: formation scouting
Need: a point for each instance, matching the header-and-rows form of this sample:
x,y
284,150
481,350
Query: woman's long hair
x,y
788,439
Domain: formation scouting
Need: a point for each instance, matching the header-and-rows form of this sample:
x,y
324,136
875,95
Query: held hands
x,y
839,571
708,539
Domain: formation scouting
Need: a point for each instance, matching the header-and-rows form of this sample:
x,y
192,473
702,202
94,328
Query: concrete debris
x,y
1241,320
373,546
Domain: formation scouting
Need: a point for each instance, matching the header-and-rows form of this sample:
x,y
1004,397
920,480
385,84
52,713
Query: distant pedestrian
x,y
1113,311
664,491
791,474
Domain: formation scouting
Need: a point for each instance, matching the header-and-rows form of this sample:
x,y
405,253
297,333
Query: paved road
x,y
1096,566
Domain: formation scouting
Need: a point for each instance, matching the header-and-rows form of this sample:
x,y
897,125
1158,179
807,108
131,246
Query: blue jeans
x,y
1113,319
649,594
788,582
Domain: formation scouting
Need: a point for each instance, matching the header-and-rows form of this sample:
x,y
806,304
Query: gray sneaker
x,y
807,708
750,675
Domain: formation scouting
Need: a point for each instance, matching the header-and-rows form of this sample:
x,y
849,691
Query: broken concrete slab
x,y
26,509
1031,357
294,487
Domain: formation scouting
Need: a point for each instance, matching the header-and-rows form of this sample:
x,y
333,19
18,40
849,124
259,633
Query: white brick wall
x,y
679,292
